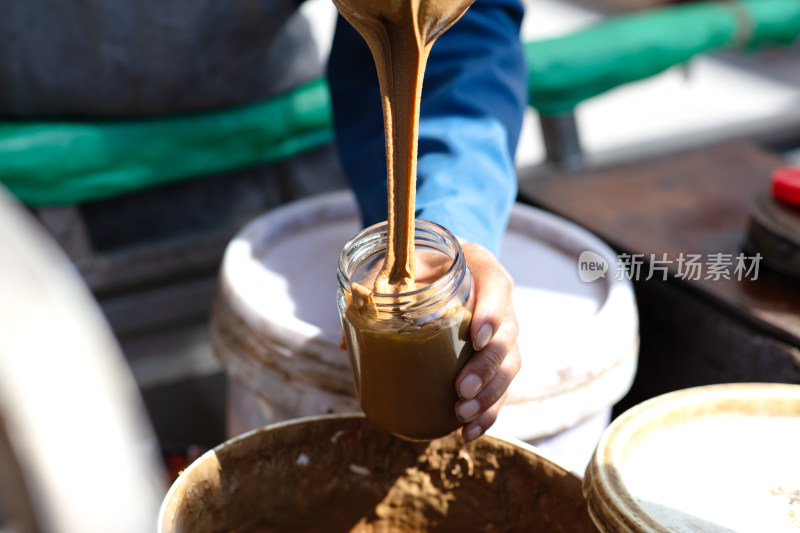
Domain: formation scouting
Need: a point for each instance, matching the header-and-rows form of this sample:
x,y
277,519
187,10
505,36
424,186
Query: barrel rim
x,y
172,497
610,504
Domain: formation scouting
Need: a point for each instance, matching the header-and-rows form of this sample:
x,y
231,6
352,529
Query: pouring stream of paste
x,y
400,34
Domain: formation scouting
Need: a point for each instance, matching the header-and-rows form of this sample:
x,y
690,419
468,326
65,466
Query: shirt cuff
x,y
466,180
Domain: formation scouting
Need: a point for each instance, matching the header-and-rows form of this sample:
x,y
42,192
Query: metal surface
x,y
774,231
690,203
693,331
561,141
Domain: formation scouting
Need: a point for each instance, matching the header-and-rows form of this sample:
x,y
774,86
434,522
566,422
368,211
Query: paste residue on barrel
x,y
346,475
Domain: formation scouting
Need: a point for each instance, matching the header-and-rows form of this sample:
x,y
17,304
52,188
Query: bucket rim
x,y
168,497
611,505
180,480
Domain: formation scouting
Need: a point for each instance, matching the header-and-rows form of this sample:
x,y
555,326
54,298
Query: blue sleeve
x,y
473,99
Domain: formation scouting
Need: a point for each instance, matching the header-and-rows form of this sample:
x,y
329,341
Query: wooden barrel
x,y
719,458
341,473
276,329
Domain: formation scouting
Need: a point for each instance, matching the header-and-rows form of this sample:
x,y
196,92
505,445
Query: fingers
x,y
481,409
492,293
483,383
483,366
477,427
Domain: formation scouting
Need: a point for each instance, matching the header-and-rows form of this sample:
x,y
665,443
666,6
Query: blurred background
x,y
696,114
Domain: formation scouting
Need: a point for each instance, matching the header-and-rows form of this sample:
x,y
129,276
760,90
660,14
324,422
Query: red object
x,y
786,185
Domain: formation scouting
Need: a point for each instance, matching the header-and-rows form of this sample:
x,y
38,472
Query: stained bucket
x,y
276,330
341,473
720,458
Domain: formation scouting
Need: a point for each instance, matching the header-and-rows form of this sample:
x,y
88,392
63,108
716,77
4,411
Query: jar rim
x,y
376,236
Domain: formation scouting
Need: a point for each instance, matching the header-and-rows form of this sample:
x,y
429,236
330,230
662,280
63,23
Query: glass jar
x,y
407,349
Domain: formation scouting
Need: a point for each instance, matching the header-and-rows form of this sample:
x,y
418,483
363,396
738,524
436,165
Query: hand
x,y
482,384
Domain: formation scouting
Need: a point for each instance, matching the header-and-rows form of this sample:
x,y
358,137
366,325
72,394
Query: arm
x,y
473,99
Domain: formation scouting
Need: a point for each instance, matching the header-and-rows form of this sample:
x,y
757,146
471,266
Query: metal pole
x,y
561,141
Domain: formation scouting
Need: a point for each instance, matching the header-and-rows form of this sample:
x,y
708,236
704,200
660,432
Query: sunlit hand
x,y
482,384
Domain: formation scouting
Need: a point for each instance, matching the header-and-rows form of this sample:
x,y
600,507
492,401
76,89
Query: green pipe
x,y
52,163
568,70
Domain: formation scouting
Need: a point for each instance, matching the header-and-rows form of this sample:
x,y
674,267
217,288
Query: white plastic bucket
x,y
77,453
275,326
716,459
